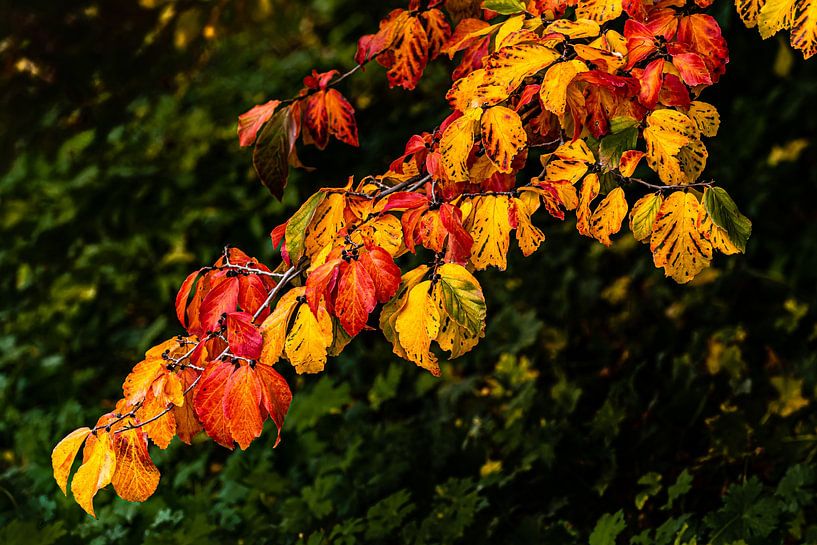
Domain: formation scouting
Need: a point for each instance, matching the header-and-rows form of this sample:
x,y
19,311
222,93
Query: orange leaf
x,y
250,122
135,477
384,272
161,430
242,406
408,55
96,471
275,396
62,457
342,123
187,425
356,297
208,402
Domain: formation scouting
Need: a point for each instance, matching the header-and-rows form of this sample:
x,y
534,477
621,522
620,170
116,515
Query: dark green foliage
x,y
605,405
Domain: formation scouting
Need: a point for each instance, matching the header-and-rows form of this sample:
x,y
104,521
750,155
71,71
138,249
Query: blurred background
x,y
606,403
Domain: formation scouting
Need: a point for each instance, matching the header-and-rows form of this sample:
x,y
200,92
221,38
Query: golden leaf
x,y
62,457
554,87
274,328
674,150
417,324
490,230
96,471
608,215
590,190
456,143
676,242
309,339
502,136
706,117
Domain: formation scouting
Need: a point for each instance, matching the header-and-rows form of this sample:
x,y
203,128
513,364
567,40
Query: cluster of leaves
x,y
545,78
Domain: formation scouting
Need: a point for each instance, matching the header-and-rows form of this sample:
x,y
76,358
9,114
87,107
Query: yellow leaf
x,y
454,337
309,339
706,117
417,324
606,219
502,136
388,316
590,190
719,238
325,224
274,328
580,28
748,11
62,457
804,27
135,477
775,15
96,471
528,236
642,216
600,11
510,26
676,242
463,94
509,66
456,143
554,87
490,230
674,150
790,396
385,231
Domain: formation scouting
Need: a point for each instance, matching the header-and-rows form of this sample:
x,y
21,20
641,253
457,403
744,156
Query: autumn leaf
x,y
356,297
600,11
241,404
509,66
250,122
462,295
135,477
589,191
96,471
608,215
328,113
62,457
276,396
643,214
295,234
528,236
308,340
677,244
383,270
491,232
725,214
416,325
705,116
502,136
325,224
208,402
243,337
220,300
272,149
674,149
554,86
274,329
456,144
408,55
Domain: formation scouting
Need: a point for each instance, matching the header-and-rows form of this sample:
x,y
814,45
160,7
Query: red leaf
x,y
702,34
356,297
320,283
187,425
243,337
404,200
384,272
183,296
459,240
275,396
208,402
220,300
242,406
251,295
317,119
690,65
250,122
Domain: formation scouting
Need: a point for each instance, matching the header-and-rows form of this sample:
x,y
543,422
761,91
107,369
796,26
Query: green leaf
x,y
608,528
271,154
462,297
746,514
794,490
613,145
725,214
504,7
295,233
683,484
652,486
